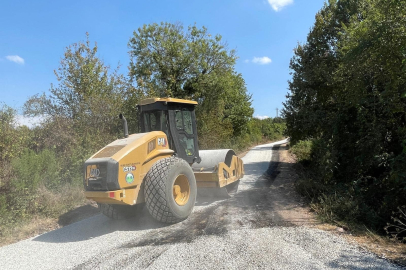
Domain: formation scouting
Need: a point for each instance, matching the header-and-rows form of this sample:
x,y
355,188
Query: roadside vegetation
x,y
41,167
346,114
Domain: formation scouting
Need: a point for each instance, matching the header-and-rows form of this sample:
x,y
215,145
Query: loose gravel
x,y
245,232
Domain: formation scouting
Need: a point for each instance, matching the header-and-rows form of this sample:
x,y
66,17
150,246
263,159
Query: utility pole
x,y
276,112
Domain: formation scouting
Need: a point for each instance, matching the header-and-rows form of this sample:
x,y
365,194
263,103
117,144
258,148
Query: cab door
x,y
183,128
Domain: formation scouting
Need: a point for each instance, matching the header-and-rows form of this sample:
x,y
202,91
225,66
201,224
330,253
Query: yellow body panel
x,y
222,175
130,194
136,154
137,157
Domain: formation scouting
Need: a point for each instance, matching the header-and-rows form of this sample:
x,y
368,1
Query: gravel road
x,y
263,227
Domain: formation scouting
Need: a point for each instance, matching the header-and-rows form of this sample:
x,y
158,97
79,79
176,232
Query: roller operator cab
x,y
176,118
161,167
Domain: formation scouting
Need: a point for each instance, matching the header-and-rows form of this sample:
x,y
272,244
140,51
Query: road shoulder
x,y
380,246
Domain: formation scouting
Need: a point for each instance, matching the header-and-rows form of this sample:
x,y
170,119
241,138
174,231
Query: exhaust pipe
x,y
121,116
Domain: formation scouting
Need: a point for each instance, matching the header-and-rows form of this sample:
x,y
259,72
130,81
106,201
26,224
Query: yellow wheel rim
x,y
181,190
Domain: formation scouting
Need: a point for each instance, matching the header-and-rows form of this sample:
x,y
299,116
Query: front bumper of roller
x,y
122,196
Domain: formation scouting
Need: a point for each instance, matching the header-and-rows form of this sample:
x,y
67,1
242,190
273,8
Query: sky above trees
x,y
263,33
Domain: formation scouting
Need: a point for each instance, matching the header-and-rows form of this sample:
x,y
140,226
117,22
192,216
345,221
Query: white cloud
x,y
261,117
16,59
262,60
277,5
30,122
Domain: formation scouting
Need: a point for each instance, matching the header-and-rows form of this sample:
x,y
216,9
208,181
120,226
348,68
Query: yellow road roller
x,y
161,167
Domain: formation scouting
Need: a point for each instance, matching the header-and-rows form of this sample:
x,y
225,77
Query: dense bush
x,y
348,95
302,150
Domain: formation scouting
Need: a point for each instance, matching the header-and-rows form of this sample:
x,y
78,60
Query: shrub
x,y
348,95
33,169
302,150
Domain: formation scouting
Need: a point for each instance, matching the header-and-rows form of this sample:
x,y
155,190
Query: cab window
x,y
155,121
183,119
187,121
178,119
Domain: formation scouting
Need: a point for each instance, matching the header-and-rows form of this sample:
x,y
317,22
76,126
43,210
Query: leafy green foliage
x,y
32,170
41,166
82,111
167,60
302,150
347,95
13,141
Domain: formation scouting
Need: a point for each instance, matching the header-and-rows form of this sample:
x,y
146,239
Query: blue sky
x,y
264,33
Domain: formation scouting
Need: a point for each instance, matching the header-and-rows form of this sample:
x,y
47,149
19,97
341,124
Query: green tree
x,y
348,96
312,101
167,60
373,77
82,109
13,140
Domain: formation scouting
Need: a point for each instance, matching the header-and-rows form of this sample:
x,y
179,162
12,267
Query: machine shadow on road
x,y
250,208
99,225
271,147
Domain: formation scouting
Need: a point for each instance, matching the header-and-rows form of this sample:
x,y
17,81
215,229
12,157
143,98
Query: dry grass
x,y
67,202
65,199
35,226
380,245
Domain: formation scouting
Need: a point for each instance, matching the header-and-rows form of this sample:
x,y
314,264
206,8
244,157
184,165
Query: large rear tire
x,y
170,190
116,211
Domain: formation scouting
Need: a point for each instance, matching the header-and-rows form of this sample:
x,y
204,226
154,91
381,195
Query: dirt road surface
x,y
265,226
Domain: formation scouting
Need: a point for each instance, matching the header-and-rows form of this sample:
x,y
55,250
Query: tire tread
x,y
155,186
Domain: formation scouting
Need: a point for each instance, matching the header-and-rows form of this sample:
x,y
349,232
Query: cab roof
x,y
173,100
